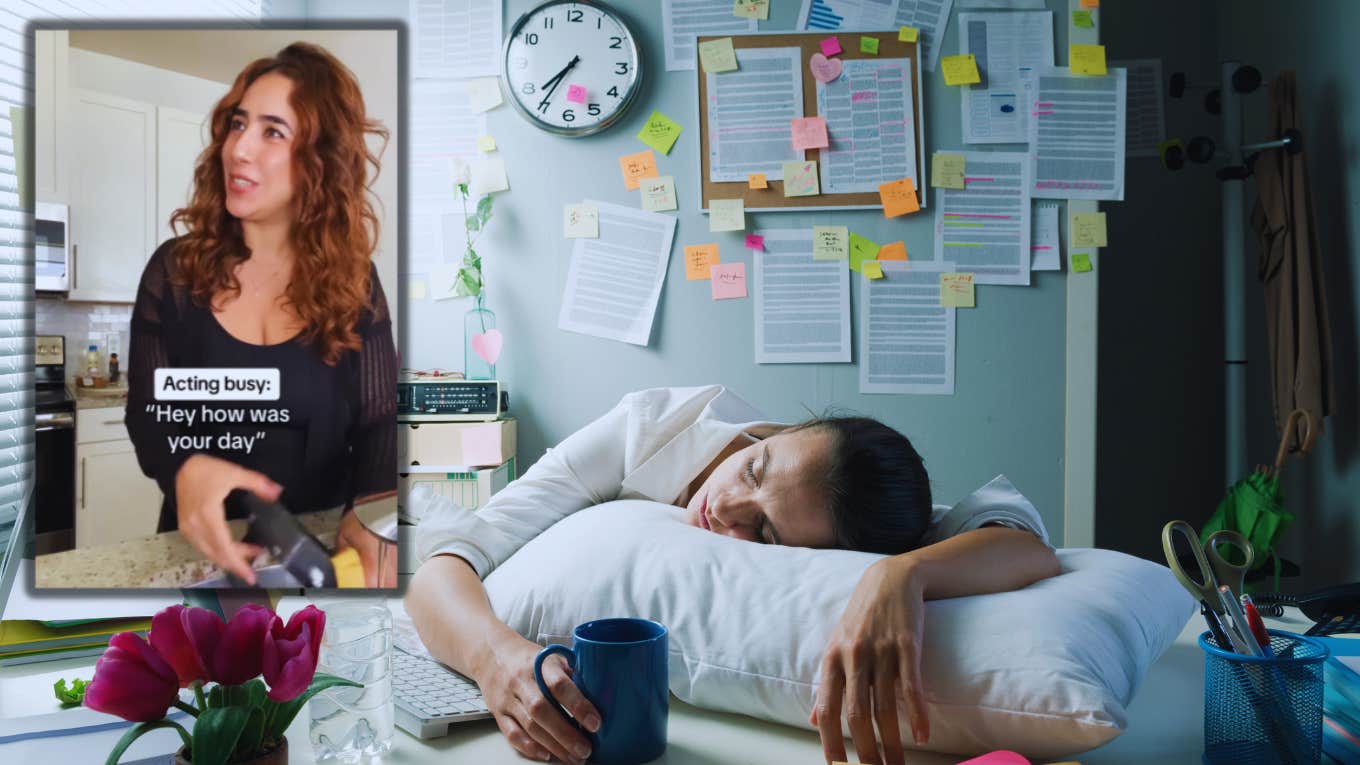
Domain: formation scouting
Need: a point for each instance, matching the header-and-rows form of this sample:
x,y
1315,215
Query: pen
x,y
1237,625
1258,627
1215,628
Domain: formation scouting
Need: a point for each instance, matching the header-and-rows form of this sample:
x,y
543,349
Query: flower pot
x,y
276,756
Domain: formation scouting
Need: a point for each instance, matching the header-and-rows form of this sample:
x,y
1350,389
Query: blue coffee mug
x,y
620,667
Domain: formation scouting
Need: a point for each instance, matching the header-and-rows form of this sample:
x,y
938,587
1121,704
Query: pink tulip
x,y
132,680
238,653
187,638
290,653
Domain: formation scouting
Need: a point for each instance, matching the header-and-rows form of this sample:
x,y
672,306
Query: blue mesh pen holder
x,y
1264,711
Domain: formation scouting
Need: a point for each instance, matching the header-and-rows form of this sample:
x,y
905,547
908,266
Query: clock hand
x,y
552,84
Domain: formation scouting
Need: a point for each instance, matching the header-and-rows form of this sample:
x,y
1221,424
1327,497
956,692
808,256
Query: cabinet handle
x,y
113,422
75,272
82,484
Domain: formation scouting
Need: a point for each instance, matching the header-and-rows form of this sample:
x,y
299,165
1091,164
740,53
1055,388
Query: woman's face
x,y
769,492
257,157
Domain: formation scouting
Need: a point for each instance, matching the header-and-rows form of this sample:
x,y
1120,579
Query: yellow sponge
x,y
349,570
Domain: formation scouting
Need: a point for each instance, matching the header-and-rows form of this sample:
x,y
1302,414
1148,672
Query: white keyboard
x,y
430,696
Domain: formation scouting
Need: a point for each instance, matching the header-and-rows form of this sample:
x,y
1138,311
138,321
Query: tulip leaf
x,y
137,730
280,715
249,743
216,732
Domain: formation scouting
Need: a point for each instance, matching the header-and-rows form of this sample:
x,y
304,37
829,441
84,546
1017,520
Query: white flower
x,y
461,172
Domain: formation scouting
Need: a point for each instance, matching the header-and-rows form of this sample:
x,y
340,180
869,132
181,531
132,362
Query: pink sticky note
x,y
831,46
754,242
576,94
1002,757
728,280
809,133
481,444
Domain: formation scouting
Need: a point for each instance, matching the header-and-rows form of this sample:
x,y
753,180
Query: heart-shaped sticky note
x,y
488,345
825,69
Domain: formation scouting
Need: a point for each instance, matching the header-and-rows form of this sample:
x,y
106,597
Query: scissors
x,y
1214,569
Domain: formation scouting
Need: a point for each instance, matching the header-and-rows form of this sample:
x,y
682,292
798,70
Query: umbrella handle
x,y
1287,435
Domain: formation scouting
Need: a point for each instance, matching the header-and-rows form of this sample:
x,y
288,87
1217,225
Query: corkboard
x,y
772,198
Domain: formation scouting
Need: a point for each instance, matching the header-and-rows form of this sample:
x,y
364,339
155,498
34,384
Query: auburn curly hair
x,y
335,229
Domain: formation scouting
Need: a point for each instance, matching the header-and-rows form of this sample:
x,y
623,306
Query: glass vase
x,y
480,349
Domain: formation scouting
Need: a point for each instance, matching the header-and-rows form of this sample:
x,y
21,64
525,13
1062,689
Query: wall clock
x,y
572,67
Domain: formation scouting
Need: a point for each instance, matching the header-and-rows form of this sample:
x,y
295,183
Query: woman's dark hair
x,y
876,485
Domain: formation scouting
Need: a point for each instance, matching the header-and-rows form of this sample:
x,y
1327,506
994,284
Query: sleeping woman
x,y
846,482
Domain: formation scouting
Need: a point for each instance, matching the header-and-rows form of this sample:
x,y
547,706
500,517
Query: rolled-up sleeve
x,y
998,502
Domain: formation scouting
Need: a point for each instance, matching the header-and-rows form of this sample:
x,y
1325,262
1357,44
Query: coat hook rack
x,y
1202,149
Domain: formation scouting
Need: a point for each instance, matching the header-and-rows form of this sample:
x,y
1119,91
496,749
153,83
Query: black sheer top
x,y
329,438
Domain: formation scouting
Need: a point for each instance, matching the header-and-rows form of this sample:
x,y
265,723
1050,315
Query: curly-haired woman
x,y
272,270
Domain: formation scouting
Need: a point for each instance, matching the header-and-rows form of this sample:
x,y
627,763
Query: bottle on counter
x,y
113,368
92,364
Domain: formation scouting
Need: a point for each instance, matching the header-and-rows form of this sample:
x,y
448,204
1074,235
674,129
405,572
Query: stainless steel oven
x,y
54,421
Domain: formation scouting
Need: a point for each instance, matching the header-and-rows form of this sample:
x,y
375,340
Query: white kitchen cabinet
x,y
114,500
180,137
112,194
51,86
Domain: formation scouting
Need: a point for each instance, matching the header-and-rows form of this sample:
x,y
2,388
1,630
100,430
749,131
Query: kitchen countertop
x,y
100,398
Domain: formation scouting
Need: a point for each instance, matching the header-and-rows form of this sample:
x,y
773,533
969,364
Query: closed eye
x,y
750,470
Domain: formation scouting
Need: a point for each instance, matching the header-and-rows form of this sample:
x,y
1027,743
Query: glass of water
x,y
354,725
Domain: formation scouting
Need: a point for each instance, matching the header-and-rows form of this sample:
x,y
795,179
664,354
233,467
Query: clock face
x,y
572,67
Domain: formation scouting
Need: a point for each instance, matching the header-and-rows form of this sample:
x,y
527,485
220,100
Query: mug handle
x,y
570,656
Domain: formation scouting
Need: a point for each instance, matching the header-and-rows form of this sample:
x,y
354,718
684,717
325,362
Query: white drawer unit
x,y
114,500
102,424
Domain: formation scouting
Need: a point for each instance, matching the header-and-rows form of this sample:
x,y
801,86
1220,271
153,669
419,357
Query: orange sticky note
x,y
893,251
636,167
698,257
1090,3
757,181
899,197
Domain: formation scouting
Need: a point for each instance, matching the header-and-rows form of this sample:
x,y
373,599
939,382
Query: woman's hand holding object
x,y
201,488
874,650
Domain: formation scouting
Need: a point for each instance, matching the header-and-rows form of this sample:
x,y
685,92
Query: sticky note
x,y
726,215
576,94
415,289
1001,757
898,197
1083,20
658,194
946,170
861,249
757,181
484,93
1081,262
956,290
580,221
486,143
893,251
831,46
868,45
755,242
908,34
809,133
488,175
960,70
1090,3
659,132
1087,59
872,269
718,55
1088,229
729,280
636,167
830,243
481,443
752,9
800,179
698,257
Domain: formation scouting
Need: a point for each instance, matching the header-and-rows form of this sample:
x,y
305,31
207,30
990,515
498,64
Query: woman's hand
x,y
875,650
532,723
201,487
369,545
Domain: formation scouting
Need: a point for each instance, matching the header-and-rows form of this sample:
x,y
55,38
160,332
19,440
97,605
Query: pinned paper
x,y
868,45
581,221
1090,3
946,171
698,257
830,243
415,289
1087,59
831,46
1081,262
659,132
861,249
729,280
800,179
658,194
726,215
752,9
757,181
636,167
718,55
484,93
755,242
809,133
908,34
898,197
893,251
488,175
956,291
825,69
960,70
1083,20
486,143
576,94
1088,230
872,269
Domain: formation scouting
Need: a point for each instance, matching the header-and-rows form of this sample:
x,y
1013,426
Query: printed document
x,y
802,305
683,20
1146,125
1076,136
869,116
906,338
1043,241
929,17
984,228
751,112
443,129
1008,48
455,38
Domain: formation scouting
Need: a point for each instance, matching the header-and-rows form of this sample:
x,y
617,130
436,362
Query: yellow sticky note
x,y
726,215
637,166
415,289
908,34
1087,59
1081,262
872,269
800,179
698,257
1083,20
893,251
718,55
757,181
868,45
658,194
946,170
956,290
830,243
1090,3
486,143
899,197
659,132
752,9
1088,230
960,70
861,249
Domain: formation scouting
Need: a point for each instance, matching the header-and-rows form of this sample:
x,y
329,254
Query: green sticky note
x,y
1081,262
718,55
660,132
830,242
861,249
1083,19
868,45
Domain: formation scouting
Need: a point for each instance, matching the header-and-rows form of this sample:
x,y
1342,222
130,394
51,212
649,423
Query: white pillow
x,y
1046,670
